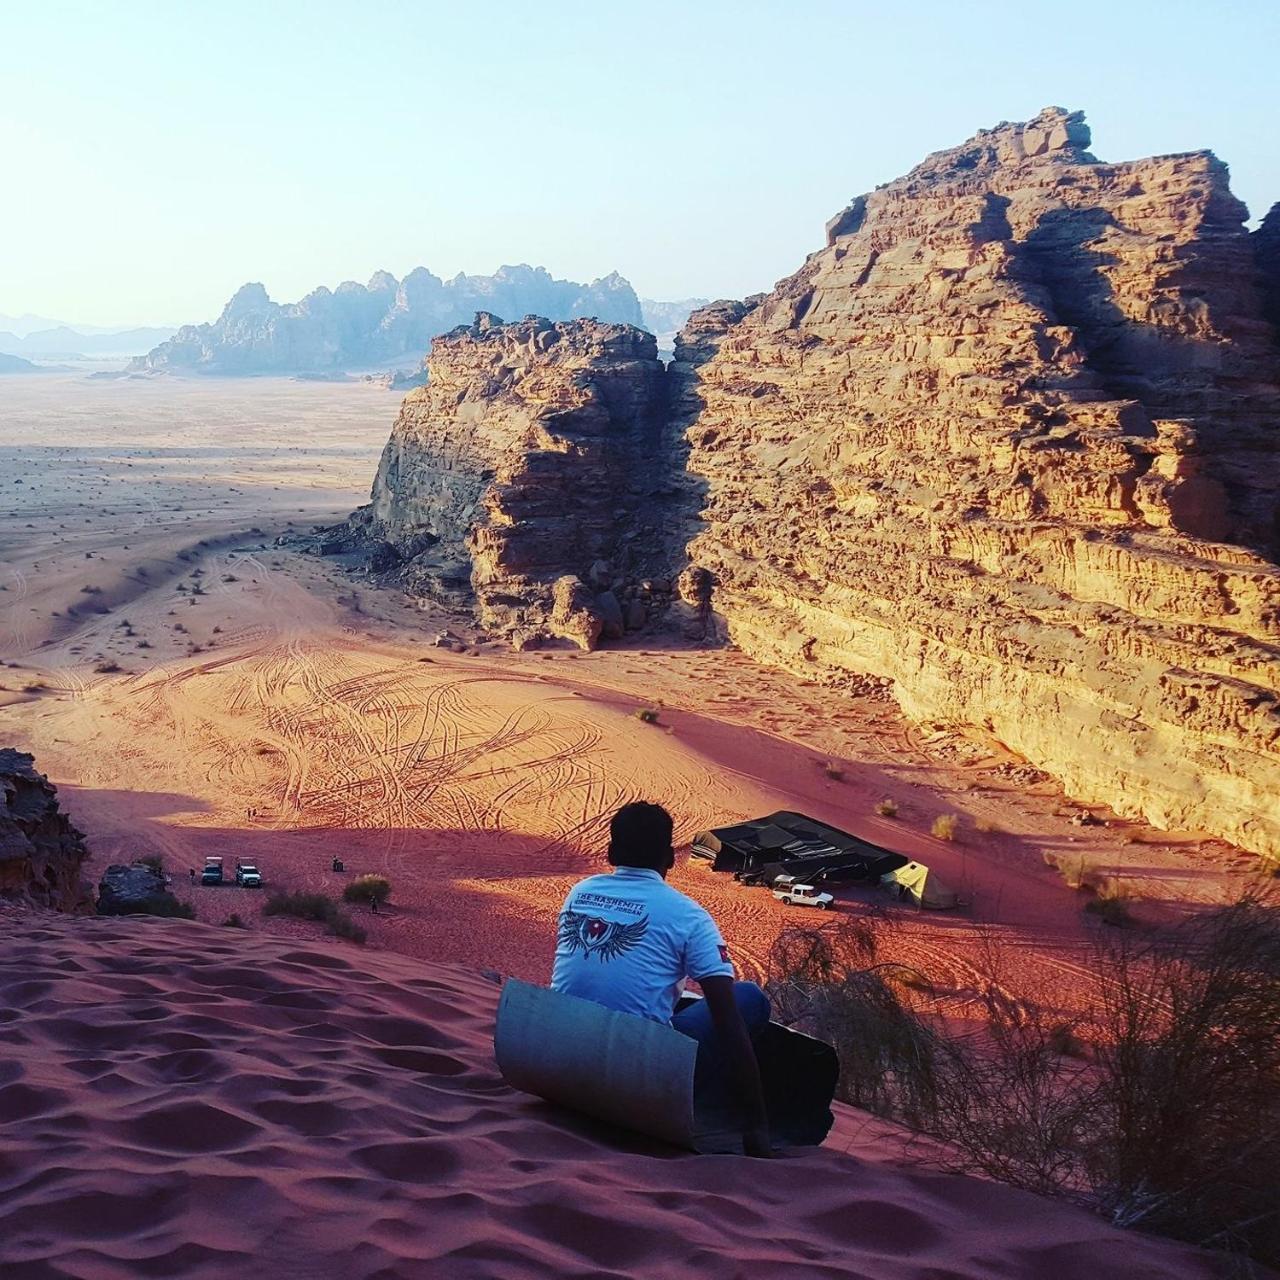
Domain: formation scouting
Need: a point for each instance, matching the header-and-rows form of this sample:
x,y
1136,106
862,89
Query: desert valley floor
x,y
270,705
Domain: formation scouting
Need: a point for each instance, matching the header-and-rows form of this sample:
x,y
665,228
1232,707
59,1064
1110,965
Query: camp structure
x,y
914,881
787,843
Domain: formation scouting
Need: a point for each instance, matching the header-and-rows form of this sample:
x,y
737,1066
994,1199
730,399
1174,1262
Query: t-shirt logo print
x,y
593,936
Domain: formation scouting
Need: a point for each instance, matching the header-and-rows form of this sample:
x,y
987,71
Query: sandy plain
x,y
194,689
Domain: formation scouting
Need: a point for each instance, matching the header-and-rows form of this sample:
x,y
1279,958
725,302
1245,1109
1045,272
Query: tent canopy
x,y
802,846
917,882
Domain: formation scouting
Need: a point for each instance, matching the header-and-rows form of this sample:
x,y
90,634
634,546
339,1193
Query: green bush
x,y
368,888
306,906
314,906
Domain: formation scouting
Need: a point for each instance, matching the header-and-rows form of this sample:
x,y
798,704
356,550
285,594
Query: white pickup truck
x,y
786,890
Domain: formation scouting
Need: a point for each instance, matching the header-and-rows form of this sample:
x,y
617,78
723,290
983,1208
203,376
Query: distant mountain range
x,y
381,324
16,364
665,319
62,341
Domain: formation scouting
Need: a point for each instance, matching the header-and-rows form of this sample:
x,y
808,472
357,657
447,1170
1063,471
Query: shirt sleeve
x,y
705,953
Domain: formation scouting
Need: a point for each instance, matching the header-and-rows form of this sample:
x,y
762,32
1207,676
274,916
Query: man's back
x,y
628,940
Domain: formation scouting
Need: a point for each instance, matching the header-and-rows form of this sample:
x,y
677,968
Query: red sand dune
x,y
182,1100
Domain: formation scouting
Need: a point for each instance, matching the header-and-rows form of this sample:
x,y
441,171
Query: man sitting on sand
x,y
629,940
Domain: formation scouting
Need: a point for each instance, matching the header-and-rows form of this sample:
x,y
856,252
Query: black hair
x,y
640,836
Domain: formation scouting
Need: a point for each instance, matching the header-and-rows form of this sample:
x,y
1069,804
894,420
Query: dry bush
x,y
1171,1120
314,906
648,715
945,826
825,981
1075,869
887,808
986,826
833,771
1188,1132
367,889
1111,908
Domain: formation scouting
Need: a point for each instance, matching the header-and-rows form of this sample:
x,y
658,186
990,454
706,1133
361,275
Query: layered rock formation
x,y
357,326
1013,439
40,851
512,479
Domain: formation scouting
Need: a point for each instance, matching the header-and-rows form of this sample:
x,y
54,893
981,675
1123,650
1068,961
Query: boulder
x,y
129,890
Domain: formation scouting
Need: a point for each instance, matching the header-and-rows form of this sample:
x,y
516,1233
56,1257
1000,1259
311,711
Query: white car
x,y
800,895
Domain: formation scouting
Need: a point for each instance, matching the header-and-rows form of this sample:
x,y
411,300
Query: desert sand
x,y
194,689
194,1102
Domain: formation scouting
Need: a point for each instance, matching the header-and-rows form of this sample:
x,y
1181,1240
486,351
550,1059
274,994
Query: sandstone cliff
x,y
512,479
40,851
357,326
1013,440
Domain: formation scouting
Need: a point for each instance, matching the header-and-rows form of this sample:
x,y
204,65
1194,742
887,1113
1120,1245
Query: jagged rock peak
x,y
248,300
386,322
40,851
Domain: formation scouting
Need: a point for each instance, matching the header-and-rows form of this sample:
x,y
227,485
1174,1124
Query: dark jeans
x,y
710,1080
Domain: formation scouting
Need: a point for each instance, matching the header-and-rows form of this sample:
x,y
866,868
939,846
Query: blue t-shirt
x,y
629,940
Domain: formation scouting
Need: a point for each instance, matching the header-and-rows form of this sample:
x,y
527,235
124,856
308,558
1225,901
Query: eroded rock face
x,y
40,851
512,480
1013,440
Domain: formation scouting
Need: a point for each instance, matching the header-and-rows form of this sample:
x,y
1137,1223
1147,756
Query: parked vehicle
x,y
212,873
248,876
787,891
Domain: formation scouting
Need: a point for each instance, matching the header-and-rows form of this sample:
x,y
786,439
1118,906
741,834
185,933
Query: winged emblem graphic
x,y
604,939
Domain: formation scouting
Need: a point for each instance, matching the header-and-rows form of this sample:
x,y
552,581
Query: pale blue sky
x,y
157,155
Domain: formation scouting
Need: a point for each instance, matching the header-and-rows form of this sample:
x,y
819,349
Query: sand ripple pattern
x,y
178,1100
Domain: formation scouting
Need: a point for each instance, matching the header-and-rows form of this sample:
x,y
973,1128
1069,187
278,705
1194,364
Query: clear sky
x,y
157,155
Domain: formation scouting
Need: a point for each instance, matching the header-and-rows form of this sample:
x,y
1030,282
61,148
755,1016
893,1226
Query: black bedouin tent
x,y
800,846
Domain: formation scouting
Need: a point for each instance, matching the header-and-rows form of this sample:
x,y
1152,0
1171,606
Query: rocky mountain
x,y
665,319
514,474
40,851
359,326
1011,440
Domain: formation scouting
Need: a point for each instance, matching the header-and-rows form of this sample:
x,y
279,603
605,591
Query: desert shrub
x,y
153,860
945,826
1169,1121
985,825
833,771
1189,1106
1112,909
647,714
233,921
825,981
1076,870
106,666
367,888
34,686
887,808
306,906
343,926
314,906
